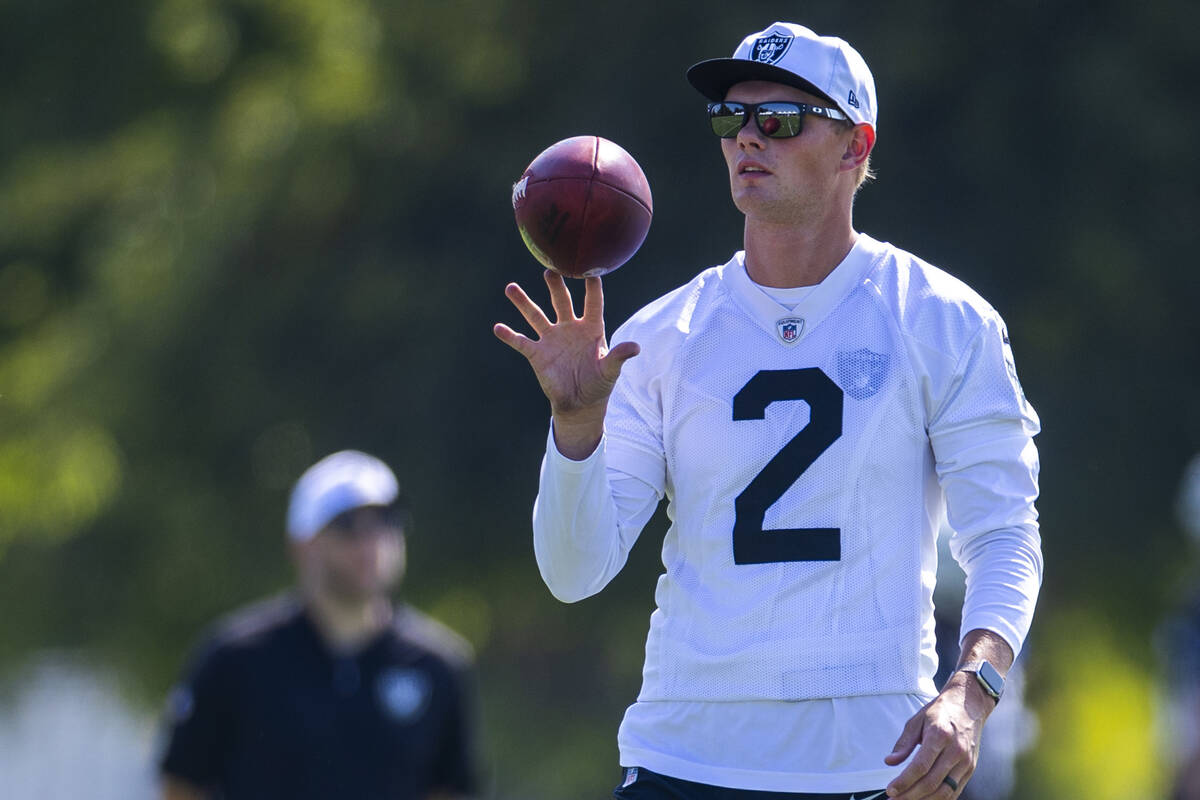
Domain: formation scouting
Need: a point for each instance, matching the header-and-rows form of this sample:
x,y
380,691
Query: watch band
x,y
987,676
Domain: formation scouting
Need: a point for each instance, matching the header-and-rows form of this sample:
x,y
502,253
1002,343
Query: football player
x,y
810,409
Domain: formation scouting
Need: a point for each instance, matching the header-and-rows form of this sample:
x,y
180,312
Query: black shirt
x,y
268,711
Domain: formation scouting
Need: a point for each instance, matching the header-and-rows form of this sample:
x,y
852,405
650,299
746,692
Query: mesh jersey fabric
x,y
930,408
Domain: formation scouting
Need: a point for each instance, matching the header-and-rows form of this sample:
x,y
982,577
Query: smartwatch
x,y
987,675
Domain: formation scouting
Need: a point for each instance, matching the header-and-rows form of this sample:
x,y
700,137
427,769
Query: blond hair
x,y
864,174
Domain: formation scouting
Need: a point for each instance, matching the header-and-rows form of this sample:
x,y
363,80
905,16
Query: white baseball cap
x,y
337,483
795,56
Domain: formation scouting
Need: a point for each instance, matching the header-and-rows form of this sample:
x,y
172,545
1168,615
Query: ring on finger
x,y
953,784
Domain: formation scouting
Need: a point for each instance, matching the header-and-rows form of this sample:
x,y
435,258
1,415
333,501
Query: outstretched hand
x,y
571,360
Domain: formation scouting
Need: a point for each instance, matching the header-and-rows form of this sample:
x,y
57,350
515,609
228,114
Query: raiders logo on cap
x,y
769,49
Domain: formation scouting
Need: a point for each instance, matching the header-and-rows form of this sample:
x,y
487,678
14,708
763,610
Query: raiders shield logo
x,y
789,329
404,693
769,49
862,373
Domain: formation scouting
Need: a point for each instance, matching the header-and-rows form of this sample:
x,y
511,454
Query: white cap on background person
x,y
338,483
793,55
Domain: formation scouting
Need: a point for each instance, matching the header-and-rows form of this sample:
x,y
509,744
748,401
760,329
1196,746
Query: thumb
x,y
616,358
910,737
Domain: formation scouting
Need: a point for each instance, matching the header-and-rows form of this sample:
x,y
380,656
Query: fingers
x,y
612,362
956,782
593,299
931,783
522,344
941,756
908,740
530,310
949,789
919,769
560,296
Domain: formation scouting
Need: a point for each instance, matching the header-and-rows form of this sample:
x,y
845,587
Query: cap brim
x,y
714,77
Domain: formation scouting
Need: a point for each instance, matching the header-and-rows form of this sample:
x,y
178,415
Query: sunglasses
x,y
367,520
777,120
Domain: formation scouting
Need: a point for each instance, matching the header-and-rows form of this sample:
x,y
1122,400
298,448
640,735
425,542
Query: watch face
x,y
991,678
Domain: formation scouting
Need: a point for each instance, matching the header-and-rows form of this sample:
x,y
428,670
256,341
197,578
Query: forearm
x,y
989,646
583,528
1004,574
988,468
576,435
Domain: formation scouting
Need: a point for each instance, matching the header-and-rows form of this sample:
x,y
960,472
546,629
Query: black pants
x,y
652,786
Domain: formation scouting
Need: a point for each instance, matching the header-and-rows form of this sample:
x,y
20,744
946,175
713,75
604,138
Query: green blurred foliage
x,y
1097,715
236,235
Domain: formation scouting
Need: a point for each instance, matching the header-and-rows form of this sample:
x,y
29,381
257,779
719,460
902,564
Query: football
x,y
583,206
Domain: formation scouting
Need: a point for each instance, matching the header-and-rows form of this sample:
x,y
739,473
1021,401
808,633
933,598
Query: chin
x,y
354,592
769,213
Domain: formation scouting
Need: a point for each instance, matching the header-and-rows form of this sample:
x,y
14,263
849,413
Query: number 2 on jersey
x,y
752,544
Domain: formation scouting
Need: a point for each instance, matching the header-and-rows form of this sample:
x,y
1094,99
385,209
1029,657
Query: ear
x,y
858,146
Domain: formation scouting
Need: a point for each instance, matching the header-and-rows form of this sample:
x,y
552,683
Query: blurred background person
x,y
333,690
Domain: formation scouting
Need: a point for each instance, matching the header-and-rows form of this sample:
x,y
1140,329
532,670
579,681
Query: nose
x,y
750,136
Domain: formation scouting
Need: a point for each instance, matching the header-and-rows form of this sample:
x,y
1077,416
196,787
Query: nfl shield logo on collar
x,y
631,776
789,329
769,49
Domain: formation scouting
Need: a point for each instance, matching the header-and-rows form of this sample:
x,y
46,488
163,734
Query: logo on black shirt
x,y
404,692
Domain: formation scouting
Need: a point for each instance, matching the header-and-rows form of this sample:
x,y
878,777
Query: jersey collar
x,y
814,308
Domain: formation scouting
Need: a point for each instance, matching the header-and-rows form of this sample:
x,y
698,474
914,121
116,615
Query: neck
x,y
787,255
348,624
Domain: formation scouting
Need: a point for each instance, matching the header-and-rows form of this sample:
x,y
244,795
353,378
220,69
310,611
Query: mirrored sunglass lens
x,y
779,120
726,120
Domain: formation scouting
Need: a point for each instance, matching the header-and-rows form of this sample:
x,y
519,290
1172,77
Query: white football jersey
x,y
799,452
808,455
